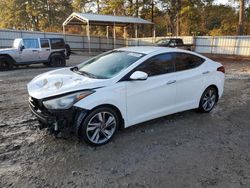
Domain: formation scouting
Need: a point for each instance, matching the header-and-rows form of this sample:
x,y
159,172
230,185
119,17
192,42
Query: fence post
x,y
235,43
212,45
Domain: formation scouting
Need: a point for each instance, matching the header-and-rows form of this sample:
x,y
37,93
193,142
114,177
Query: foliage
x,y
195,17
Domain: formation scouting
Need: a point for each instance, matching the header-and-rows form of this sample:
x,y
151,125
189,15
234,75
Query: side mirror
x,y
139,75
22,48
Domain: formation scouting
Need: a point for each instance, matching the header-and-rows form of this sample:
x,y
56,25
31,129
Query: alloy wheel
x,y
209,99
101,127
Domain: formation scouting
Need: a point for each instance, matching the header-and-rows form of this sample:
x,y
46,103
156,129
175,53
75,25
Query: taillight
x,y
221,69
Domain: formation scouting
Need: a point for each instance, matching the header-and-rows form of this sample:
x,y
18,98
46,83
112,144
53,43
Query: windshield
x,y
16,43
163,41
109,64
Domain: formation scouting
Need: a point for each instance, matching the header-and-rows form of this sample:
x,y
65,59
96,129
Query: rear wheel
x,y
5,64
99,126
208,100
57,60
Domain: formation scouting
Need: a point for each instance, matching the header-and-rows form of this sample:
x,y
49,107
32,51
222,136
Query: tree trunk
x,y
241,17
178,27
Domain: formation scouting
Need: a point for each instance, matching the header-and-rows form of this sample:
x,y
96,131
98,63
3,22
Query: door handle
x,y
171,82
34,50
206,72
47,49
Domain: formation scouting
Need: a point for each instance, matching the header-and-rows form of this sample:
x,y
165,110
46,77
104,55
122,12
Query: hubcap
x,y
101,127
209,100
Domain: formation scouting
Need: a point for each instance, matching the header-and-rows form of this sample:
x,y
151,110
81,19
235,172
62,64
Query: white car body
x,y
137,100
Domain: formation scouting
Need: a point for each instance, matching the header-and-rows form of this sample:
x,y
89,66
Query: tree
x,y
241,17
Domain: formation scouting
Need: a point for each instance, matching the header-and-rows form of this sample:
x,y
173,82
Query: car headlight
x,y
67,101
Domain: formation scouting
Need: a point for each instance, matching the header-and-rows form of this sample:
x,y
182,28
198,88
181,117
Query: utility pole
x,y
178,24
137,8
241,17
152,16
98,6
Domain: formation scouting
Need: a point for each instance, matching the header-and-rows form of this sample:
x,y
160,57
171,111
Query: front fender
x,y
114,95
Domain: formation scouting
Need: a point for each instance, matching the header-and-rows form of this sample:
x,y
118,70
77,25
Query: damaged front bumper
x,y
54,119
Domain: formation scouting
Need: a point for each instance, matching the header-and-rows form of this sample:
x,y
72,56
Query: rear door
x,y
189,79
30,53
45,49
154,97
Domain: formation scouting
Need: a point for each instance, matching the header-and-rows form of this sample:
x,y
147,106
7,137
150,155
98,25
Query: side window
x,y
179,42
172,42
157,65
57,43
44,43
30,43
185,61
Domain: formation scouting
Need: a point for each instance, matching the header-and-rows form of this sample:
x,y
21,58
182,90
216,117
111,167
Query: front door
x,y
154,97
30,53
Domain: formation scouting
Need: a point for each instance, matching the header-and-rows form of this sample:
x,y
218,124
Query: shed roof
x,y
99,19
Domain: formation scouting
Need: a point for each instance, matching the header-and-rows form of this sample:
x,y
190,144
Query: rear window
x,y
57,43
185,61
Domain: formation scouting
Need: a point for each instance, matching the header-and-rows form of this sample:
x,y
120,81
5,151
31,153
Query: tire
x,y
47,64
99,126
57,60
208,100
68,50
6,64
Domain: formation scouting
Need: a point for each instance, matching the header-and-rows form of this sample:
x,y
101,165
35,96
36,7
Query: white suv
x,y
125,87
26,51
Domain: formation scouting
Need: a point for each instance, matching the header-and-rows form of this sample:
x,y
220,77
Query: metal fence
x,y
76,42
229,45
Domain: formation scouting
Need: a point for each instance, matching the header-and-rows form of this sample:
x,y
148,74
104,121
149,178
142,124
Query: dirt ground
x,y
187,149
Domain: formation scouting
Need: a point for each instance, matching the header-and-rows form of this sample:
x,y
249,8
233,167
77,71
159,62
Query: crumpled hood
x,y
61,81
7,50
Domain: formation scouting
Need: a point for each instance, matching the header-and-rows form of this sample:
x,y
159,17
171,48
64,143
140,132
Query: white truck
x,y
26,51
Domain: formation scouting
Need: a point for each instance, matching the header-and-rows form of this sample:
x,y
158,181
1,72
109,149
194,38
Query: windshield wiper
x,y
76,70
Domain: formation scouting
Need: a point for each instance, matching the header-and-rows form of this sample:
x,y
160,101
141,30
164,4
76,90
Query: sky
x,y
222,1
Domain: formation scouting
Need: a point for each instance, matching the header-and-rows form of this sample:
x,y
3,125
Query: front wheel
x,y
5,64
208,100
99,126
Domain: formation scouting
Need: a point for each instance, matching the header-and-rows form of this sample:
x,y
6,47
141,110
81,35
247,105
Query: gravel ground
x,y
187,149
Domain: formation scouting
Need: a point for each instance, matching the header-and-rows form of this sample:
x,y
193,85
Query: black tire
x,y
208,100
6,63
47,64
57,60
68,50
105,134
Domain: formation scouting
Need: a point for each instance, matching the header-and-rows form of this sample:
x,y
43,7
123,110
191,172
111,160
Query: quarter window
x,y
184,61
57,43
157,65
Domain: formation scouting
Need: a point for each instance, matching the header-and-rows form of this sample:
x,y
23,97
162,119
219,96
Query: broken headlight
x,y
67,101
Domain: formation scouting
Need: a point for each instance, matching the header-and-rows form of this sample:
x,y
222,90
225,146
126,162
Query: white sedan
x,y
124,87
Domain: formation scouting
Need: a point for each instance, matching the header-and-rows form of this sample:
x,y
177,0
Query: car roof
x,y
150,49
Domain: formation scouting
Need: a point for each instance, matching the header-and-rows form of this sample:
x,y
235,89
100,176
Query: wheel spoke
x,y
91,128
101,116
110,121
93,138
205,104
213,98
107,133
